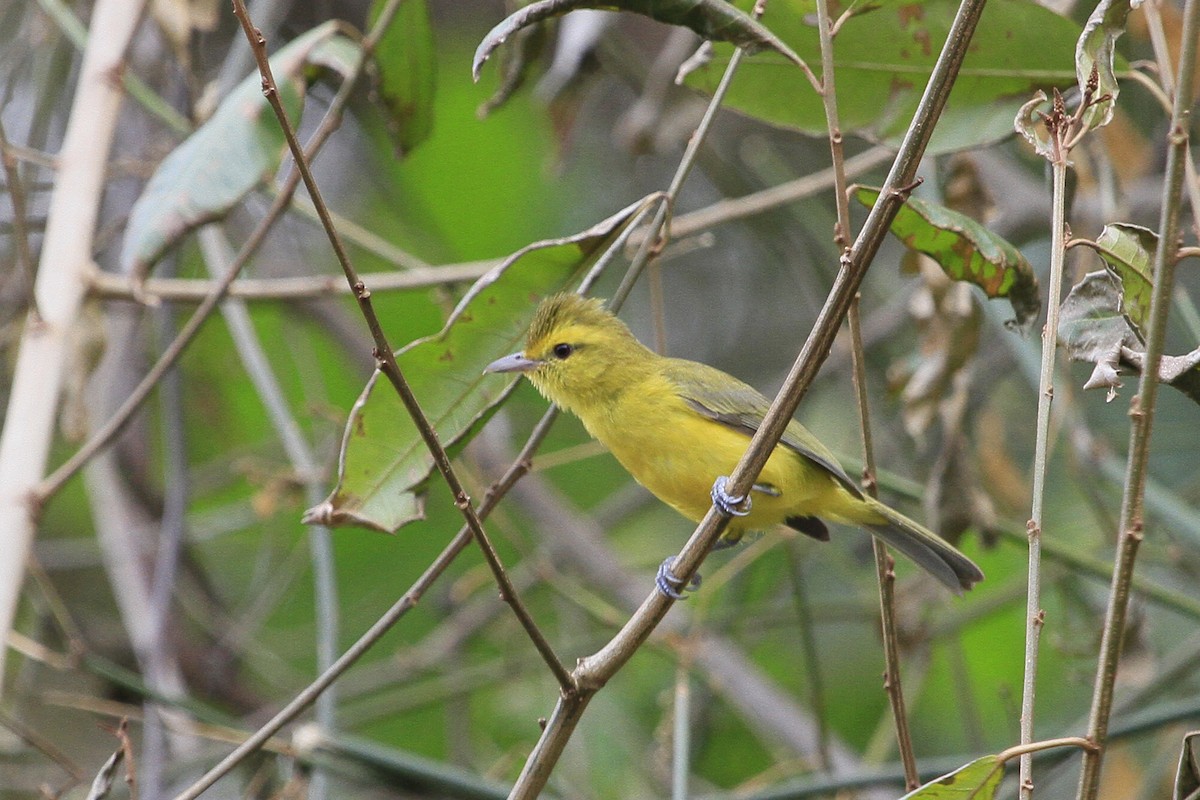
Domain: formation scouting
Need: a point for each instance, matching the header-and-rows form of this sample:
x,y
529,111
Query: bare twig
x,y
1035,618
1142,406
809,650
884,563
24,271
192,290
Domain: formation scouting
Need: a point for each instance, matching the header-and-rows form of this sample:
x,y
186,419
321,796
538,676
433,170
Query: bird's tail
x,y
930,552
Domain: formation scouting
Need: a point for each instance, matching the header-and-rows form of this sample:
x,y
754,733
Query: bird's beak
x,y
517,362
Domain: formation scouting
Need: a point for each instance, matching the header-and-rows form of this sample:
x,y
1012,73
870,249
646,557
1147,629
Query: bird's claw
x,y
670,585
733,506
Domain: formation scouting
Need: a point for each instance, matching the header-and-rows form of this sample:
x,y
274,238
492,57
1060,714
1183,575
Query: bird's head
x,y
577,353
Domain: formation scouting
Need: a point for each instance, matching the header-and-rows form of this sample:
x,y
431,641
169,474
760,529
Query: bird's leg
x,y
733,506
672,586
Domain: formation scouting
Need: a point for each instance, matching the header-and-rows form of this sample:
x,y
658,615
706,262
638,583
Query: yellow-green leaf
x,y
975,781
1128,252
883,56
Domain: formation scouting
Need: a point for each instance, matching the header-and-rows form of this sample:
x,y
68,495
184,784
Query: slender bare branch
x,y
192,290
24,271
884,563
1142,406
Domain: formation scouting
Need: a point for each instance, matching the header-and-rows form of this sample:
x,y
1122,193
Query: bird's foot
x,y
733,506
670,585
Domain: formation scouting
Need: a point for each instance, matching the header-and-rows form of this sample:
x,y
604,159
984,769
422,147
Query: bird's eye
x,y
561,351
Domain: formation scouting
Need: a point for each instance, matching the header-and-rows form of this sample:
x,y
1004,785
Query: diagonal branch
x,y
884,563
386,360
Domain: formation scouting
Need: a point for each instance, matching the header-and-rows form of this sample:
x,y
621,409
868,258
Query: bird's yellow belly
x,y
677,455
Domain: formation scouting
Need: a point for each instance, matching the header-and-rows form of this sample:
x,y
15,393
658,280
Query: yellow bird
x,y
675,425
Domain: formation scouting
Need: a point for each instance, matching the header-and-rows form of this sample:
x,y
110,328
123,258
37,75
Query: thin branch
x,y
1142,405
386,360
681,729
810,651
884,563
191,290
1034,615
161,661
24,268
109,286
731,210
1162,57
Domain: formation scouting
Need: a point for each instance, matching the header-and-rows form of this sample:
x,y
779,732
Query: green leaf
x,y
203,178
966,251
384,465
712,19
1187,777
975,781
406,73
1097,50
1128,252
883,56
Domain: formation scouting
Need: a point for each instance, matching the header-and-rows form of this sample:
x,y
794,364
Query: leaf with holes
x,y
384,465
966,251
1092,328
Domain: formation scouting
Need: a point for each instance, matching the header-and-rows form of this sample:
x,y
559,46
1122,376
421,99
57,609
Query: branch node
x,y
902,192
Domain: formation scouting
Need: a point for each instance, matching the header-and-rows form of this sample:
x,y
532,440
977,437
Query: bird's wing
x,y
725,399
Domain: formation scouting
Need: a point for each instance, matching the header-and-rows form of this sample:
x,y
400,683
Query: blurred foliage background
x,y
777,660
